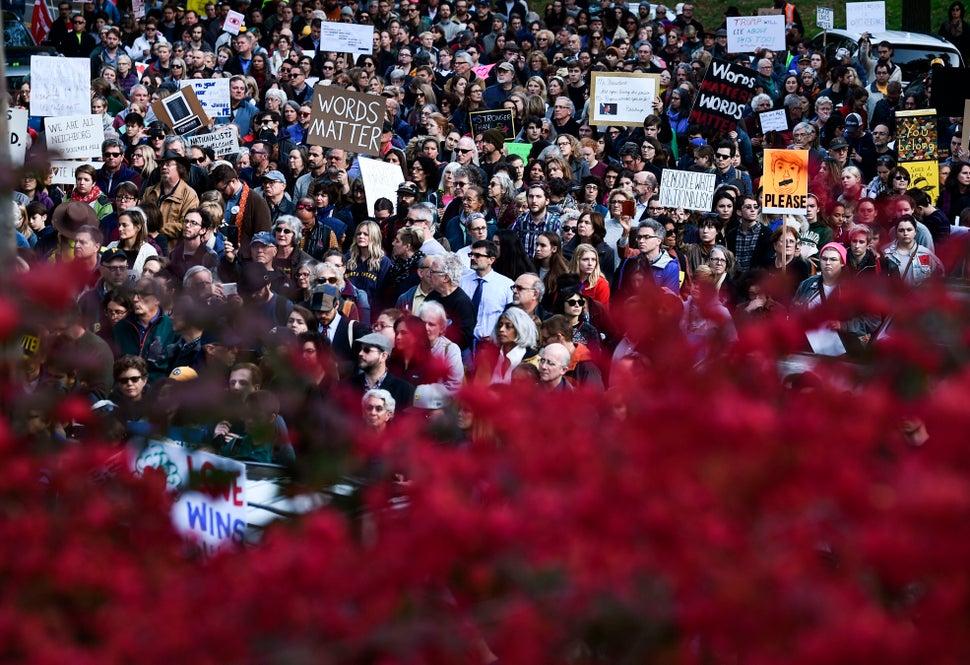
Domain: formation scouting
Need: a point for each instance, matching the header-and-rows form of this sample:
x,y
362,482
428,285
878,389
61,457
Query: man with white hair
x,y
446,271
553,363
421,216
378,407
562,117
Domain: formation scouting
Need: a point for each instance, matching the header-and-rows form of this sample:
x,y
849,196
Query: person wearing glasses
x,y
750,240
146,331
727,174
653,263
78,43
114,171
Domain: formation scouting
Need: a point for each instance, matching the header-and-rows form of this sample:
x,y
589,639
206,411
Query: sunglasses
x,y
462,151
575,302
111,154
569,229
198,160
130,379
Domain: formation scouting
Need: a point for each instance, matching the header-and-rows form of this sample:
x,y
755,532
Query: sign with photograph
x,y
75,136
234,22
346,119
622,99
181,111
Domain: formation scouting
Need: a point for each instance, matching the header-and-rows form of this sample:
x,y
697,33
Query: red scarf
x,y
90,198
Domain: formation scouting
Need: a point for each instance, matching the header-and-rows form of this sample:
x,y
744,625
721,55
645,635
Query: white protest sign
x,y
347,37
138,8
213,95
691,190
621,99
774,121
62,170
17,125
825,18
59,86
746,34
224,140
865,16
234,21
380,180
211,503
75,136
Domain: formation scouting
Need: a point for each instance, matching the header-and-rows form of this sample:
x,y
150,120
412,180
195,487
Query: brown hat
x,y
71,216
495,136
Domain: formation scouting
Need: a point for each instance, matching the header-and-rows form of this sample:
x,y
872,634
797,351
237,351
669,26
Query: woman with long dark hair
x,y
512,260
550,264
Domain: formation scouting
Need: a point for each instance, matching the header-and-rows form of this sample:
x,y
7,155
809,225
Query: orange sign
x,y
785,182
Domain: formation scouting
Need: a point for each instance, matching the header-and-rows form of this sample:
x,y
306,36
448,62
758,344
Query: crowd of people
x,y
489,267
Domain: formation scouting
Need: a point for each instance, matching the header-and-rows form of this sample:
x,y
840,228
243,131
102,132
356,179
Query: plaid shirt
x,y
744,249
529,231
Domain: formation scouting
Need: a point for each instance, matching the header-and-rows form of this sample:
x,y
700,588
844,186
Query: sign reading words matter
x,y
691,190
75,136
747,34
785,182
622,100
723,94
346,119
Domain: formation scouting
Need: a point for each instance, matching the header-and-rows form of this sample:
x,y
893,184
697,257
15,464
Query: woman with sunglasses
x,y
288,231
571,303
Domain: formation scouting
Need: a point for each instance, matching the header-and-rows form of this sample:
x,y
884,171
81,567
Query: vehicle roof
x,y
897,37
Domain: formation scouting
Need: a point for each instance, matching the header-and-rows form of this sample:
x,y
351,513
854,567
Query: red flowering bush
x,y
709,515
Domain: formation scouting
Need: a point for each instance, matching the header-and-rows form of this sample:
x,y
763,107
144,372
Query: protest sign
x,y
138,8
825,18
482,71
75,136
722,97
59,86
916,135
691,190
17,126
865,16
210,504
785,182
774,121
521,149
381,180
924,176
346,119
747,34
213,96
181,111
223,140
347,37
623,100
503,119
234,22
62,170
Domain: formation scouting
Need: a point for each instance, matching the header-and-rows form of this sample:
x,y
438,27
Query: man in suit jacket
x,y
342,332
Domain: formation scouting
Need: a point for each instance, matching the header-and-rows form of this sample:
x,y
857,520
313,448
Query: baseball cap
x,y
838,143
853,120
507,66
431,396
113,254
275,176
184,373
263,237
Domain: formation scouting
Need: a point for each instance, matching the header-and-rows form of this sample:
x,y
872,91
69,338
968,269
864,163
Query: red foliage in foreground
x,y
724,519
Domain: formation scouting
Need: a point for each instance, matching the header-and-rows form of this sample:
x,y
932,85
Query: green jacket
x,y
152,348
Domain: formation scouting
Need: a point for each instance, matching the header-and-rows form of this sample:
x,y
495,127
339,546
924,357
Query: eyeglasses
x,y
198,160
718,260
176,66
478,255
284,231
130,379
110,154
326,280
126,197
720,155
569,229
575,302
462,151
750,206
647,237
410,220
193,222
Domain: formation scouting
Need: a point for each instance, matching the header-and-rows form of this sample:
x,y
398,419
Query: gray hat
x,y
324,298
507,66
347,11
838,143
431,397
378,340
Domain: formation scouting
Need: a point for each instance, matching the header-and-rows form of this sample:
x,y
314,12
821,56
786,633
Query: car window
x,y
15,34
916,62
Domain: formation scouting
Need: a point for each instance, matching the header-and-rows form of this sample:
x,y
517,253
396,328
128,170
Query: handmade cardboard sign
x,y
482,121
723,96
75,136
346,119
691,190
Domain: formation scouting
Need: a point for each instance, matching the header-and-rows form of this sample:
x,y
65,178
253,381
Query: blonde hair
x,y
20,210
376,250
578,254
